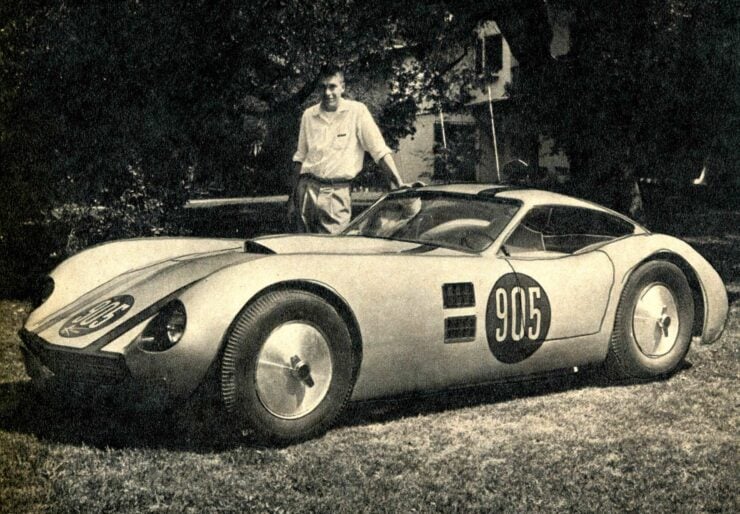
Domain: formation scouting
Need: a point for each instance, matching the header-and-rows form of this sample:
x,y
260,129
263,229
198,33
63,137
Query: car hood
x,y
127,299
78,317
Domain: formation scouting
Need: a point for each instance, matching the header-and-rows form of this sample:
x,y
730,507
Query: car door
x,y
558,289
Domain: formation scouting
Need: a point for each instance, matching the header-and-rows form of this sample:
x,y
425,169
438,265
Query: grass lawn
x,y
564,444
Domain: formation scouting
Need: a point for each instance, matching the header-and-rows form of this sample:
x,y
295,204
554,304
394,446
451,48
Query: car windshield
x,y
456,221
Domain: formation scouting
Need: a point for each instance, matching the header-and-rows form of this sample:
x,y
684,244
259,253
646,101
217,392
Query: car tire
x,y
653,323
288,367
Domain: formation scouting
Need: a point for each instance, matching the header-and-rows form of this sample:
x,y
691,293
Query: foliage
x,y
138,212
194,97
189,96
648,89
90,88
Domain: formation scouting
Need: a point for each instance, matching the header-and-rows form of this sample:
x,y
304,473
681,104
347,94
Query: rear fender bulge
x,y
710,296
706,284
697,289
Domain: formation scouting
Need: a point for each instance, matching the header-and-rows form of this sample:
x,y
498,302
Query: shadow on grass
x,y
103,423
732,297
200,425
377,411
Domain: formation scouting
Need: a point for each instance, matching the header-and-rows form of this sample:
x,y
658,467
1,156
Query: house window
x,y
488,54
456,161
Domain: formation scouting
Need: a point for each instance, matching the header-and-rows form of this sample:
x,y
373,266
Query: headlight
x,y
166,328
43,291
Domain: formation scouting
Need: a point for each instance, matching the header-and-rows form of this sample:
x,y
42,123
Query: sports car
x,y
430,288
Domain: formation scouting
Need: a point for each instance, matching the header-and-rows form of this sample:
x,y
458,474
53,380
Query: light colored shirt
x,y
332,145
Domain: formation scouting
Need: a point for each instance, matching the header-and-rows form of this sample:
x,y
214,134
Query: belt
x,y
326,181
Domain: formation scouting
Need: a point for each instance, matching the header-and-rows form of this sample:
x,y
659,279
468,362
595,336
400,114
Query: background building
x,y
486,142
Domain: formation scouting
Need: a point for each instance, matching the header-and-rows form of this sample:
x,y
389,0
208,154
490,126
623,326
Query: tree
x,y
649,88
104,102
90,89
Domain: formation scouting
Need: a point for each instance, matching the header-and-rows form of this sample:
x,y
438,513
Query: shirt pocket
x,y
341,137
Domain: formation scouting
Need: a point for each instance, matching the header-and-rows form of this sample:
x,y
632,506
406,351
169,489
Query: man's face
x,y
331,88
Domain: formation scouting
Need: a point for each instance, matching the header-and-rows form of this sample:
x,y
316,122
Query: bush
x,y
140,211
30,249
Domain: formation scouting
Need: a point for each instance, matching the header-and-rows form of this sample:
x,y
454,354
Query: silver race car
x,y
430,288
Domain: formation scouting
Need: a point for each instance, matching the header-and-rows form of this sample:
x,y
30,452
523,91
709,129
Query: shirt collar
x,y
342,105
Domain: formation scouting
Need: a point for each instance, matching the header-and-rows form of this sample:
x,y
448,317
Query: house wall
x,y
415,157
504,75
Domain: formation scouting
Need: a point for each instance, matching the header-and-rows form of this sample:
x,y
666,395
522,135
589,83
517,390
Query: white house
x,y
482,143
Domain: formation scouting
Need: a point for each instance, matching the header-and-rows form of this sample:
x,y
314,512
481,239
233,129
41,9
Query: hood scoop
x,y
254,247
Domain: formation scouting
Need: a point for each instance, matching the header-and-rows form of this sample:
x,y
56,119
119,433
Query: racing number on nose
x,y
517,317
100,314
97,316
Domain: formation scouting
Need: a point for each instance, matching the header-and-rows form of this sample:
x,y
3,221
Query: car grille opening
x,y
75,365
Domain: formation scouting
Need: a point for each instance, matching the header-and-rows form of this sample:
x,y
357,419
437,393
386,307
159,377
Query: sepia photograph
x,y
348,256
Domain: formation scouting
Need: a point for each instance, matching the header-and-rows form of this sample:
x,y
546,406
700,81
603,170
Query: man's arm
x,y
372,141
388,167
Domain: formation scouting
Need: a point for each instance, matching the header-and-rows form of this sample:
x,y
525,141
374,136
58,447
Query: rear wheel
x,y
288,367
653,325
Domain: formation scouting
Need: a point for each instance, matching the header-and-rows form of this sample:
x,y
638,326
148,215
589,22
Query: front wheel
x,y
653,324
288,366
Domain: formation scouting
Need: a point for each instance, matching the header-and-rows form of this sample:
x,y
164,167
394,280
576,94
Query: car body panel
x,y
519,314
89,269
578,288
145,286
628,253
399,312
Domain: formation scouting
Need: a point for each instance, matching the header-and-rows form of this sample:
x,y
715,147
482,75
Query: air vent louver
x,y
459,329
458,295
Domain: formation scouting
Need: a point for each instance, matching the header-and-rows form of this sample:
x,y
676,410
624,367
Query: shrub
x,y
32,248
140,211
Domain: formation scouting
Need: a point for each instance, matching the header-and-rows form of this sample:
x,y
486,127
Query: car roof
x,y
527,196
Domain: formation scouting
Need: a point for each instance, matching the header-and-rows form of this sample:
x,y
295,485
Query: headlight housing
x,y
166,329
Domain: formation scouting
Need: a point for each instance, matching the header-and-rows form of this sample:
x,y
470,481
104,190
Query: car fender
x,y
627,254
397,303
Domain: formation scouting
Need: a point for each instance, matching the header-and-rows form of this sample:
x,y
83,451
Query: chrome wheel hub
x,y
294,370
655,320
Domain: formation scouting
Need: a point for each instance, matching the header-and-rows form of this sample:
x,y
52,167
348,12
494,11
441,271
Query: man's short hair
x,y
331,70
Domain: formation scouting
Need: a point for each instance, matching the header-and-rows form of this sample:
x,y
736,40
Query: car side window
x,y
565,230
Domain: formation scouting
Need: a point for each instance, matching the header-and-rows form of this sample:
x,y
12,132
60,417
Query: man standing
x,y
333,139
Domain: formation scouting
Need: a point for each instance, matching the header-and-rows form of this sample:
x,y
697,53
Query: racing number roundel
x,y
517,317
96,317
